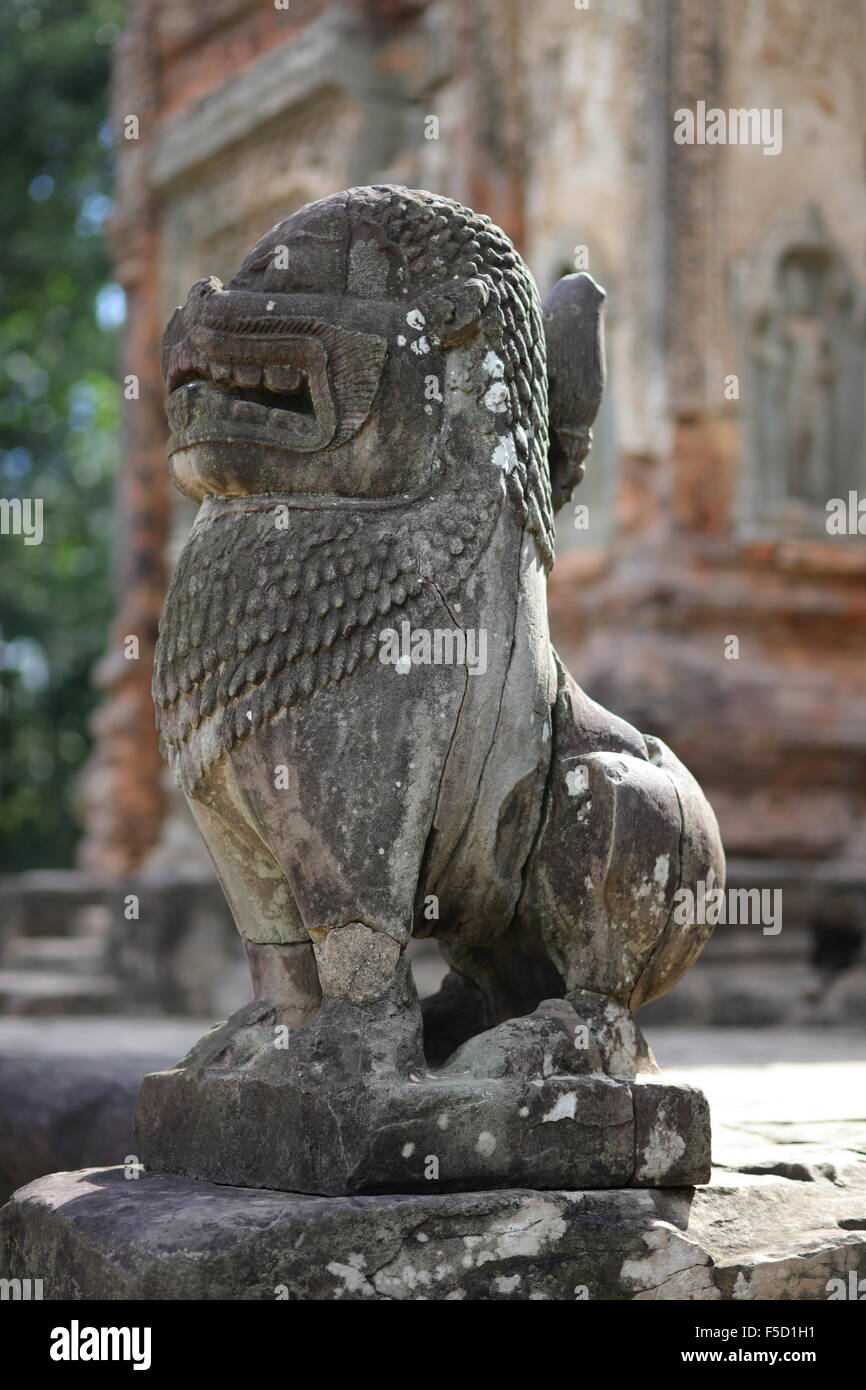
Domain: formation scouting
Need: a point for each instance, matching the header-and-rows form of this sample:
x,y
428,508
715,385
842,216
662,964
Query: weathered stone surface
x,y
96,1235
366,414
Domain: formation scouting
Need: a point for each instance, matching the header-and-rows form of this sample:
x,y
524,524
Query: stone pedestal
x,y
525,1121
95,1234
429,1135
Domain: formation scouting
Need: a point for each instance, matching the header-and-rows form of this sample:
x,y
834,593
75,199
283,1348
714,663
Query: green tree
x,y
59,407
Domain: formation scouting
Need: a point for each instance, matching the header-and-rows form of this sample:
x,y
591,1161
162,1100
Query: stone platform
x,y
97,1234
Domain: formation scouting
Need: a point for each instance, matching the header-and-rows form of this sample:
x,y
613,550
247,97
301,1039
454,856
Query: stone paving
x,y
778,1096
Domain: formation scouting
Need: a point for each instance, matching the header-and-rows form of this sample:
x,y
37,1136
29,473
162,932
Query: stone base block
x,y
95,1234
434,1134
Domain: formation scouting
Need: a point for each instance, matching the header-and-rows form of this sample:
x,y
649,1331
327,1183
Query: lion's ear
x,y
574,331
453,312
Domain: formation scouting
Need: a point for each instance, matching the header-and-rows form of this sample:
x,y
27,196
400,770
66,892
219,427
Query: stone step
x,y
40,992
80,955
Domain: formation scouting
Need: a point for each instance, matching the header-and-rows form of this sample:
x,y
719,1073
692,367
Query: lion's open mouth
x,y
296,399
242,371
283,405
274,387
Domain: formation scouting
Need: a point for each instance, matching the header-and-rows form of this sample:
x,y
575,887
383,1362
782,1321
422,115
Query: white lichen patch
x,y
407,1150
670,1253
416,319
352,1275
496,397
564,1108
415,1278
527,1231
577,781
443,1120
420,346
662,870
493,365
504,456
484,1255
654,887
486,1143
663,1147
521,1234
401,340
506,1283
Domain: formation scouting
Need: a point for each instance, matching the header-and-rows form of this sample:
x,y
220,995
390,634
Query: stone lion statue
x,y
379,420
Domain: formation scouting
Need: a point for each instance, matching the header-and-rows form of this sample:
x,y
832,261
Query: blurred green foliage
x,y
59,407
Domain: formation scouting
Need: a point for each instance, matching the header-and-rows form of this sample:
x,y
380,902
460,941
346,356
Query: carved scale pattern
x,y
234,653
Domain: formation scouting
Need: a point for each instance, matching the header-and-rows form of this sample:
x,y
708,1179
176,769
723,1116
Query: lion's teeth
x,y
282,378
220,371
246,374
